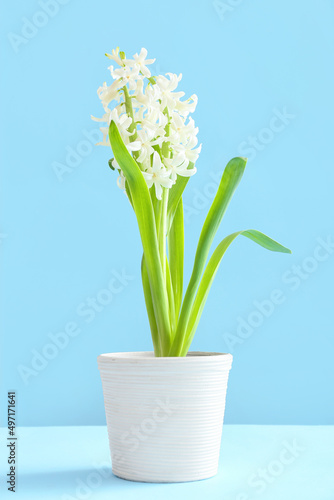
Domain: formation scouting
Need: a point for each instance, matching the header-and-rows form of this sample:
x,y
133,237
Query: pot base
x,y
184,480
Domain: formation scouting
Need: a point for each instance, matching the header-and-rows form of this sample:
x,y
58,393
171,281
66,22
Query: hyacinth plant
x,y
147,123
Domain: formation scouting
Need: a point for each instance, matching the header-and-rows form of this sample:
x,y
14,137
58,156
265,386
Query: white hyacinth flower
x,y
146,138
120,179
140,62
127,75
167,87
158,175
108,94
115,56
176,168
186,153
152,120
122,121
182,132
188,106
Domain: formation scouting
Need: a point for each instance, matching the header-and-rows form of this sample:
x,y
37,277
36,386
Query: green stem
x,y
150,310
163,231
175,240
165,145
129,111
171,300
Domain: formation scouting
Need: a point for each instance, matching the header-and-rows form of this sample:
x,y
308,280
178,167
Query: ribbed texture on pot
x,y
164,415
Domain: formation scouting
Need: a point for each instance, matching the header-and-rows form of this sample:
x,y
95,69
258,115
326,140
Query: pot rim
x,y
138,356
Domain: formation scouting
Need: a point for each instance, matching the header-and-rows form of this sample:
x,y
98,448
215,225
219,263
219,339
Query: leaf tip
x,y
239,161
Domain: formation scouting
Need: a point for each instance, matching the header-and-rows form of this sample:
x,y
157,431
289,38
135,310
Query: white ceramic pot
x,y
164,415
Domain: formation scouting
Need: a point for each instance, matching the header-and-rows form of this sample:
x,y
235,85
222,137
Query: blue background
x,y
61,241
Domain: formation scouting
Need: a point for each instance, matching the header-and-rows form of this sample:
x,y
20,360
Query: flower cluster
x,y
152,119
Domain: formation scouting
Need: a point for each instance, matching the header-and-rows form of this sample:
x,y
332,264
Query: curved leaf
x,y
211,270
143,208
228,184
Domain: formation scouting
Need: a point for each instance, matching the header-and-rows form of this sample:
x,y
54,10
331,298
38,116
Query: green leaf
x,y
143,208
150,309
127,190
176,255
230,179
175,194
171,303
211,270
